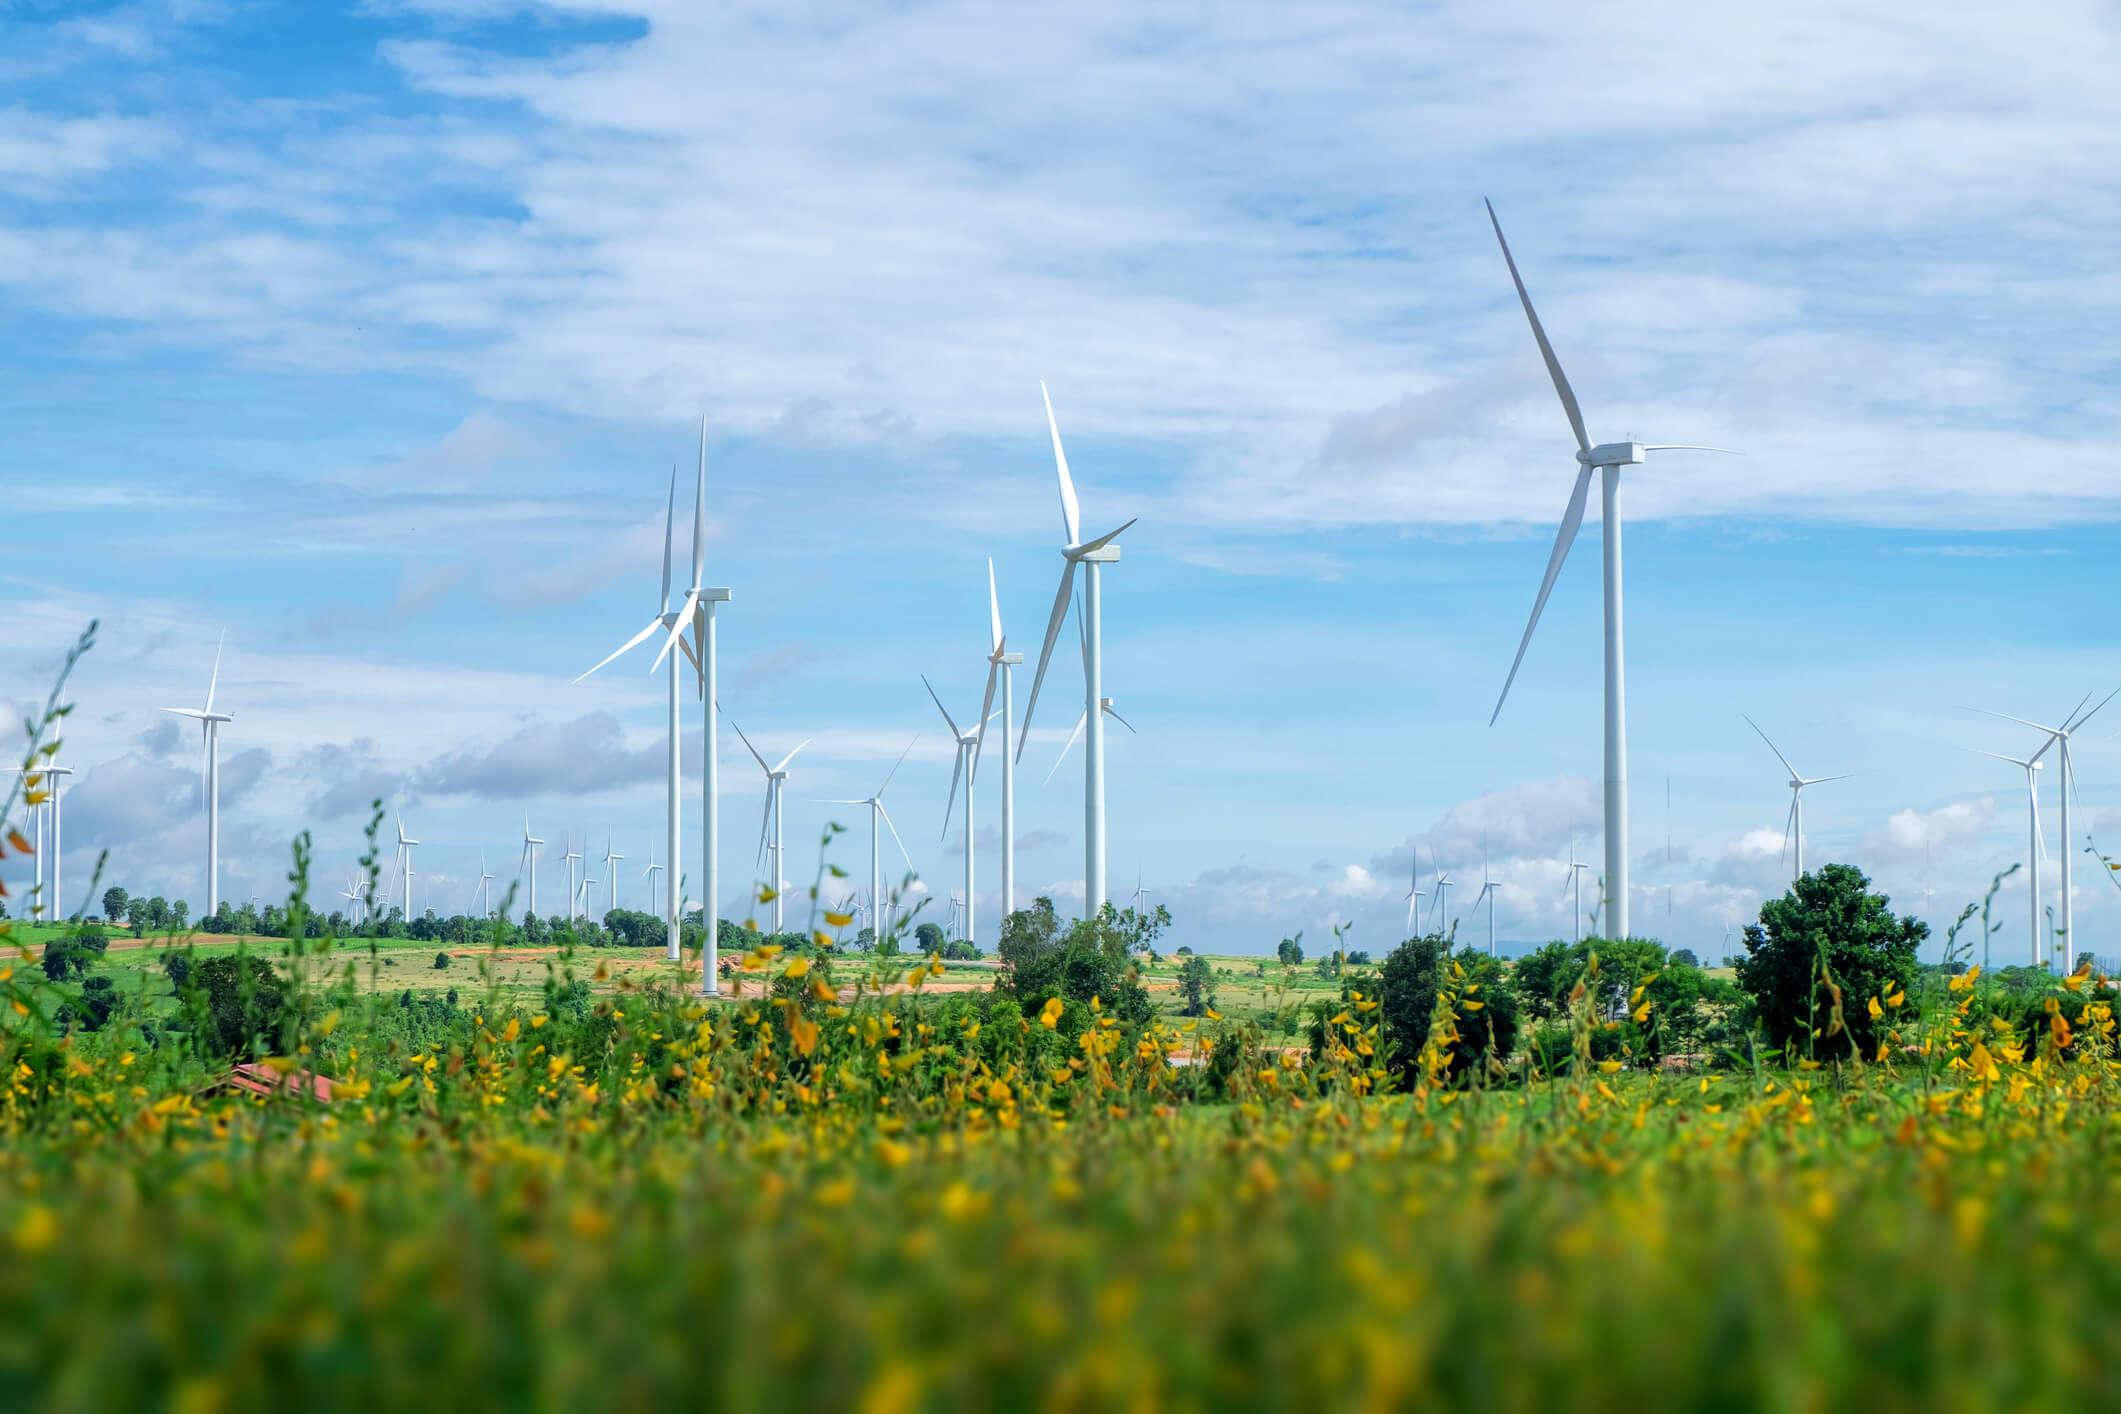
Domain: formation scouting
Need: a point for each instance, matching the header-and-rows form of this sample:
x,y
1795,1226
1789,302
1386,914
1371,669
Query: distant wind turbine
x,y
405,844
1487,891
966,766
529,857
1002,663
672,624
1576,868
611,902
2059,737
1443,902
649,874
770,822
1609,458
879,821
1793,827
210,776
485,903
1092,554
574,887
2037,846
1415,892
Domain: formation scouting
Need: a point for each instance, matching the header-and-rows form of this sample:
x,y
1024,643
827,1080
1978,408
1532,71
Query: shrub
x,y
1407,985
441,961
238,1003
1828,945
1196,983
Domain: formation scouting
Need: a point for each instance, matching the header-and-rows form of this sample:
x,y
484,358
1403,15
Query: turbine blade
x,y
677,629
1571,521
192,712
1045,654
896,764
954,732
791,755
1113,713
628,646
1546,350
765,827
1108,537
994,608
749,747
2080,721
957,768
1822,780
1794,772
1789,824
1687,447
699,513
1071,511
670,513
1068,746
215,681
986,707
2006,717
895,839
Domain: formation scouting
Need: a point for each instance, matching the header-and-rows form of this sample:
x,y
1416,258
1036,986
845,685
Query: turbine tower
x,y
1415,892
1575,886
352,894
485,888
649,874
210,776
611,902
1002,662
770,821
877,814
574,889
1443,902
405,844
2037,846
1487,891
1608,458
701,601
672,624
1092,555
1793,827
2056,737
530,857
967,766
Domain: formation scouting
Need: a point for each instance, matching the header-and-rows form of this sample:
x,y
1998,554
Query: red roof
x,y
256,1079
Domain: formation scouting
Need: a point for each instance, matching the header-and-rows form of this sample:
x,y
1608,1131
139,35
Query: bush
x,y
1827,944
98,1000
238,1004
441,961
1196,983
1407,985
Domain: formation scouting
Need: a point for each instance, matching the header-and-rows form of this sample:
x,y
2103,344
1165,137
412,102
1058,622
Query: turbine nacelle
x,y
1614,454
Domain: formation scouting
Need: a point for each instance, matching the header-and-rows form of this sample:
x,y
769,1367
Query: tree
x,y
98,1000
238,1003
441,961
1686,956
64,958
1407,986
1291,951
930,938
1828,932
178,913
114,901
178,966
1088,959
1196,983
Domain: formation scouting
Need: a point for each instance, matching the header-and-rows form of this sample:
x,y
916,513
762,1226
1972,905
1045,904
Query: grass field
x,y
839,1188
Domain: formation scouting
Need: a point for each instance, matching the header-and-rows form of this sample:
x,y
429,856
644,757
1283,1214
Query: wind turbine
x,y
958,913
770,821
405,844
674,625
1609,458
1140,894
967,766
352,894
1092,554
485,888
1415,892
2038,845
1793,827
1576,868
574,889
1443,902
530,857
2059,736
878,814
210,776
612,901
649,874
1002,662
1487,891
701,600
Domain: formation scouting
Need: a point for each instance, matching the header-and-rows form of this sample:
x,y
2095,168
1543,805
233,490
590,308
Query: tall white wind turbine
x,y
2059,737
611,902
1443,902
352,894
485,904
1415,892
1609,458
1576,868
574,888
1793,827
701,601
405,844
672,624
210,776
966,766
531,845
879,821
649,874
1092,555
2036,846
1002,663
770,843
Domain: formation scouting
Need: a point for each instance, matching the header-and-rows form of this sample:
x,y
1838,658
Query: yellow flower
x,y
804,1032
36,1229
1051,1014
1875,1010
797,967
838,920
1608,1067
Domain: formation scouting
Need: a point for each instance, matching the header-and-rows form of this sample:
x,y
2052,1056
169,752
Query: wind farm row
x,y
684,626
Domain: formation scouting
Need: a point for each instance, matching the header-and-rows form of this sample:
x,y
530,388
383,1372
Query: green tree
x,y
929,938
441,961
1291,951
1089,958
237,1005
1196,983
1407,986
1829,931
114,901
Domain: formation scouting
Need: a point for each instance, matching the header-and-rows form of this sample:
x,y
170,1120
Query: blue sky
x,y
370,335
